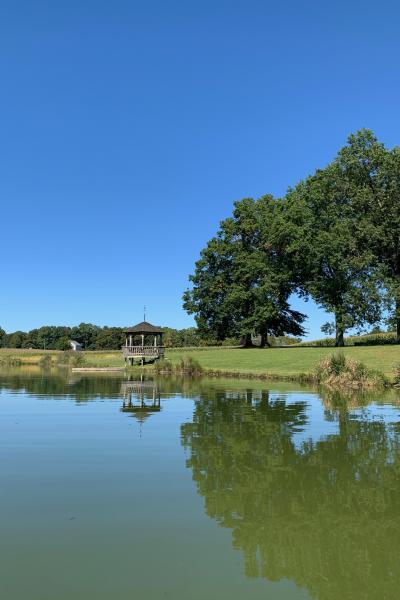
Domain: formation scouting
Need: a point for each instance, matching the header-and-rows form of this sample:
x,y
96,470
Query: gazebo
x,y
143,341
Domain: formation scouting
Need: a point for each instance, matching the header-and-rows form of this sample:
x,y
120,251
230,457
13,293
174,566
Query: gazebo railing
x,y
143,351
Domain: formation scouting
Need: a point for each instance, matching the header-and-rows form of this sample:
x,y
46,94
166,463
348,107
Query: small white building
x,y
75,346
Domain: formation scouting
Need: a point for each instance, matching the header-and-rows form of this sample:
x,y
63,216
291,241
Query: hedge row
x,y
369,339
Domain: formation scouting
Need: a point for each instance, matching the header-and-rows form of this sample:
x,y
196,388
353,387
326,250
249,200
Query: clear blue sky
x,y
129,128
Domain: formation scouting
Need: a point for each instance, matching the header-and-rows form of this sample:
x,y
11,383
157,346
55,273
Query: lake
x,y
118,488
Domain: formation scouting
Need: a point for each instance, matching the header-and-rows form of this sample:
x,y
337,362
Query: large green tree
x,y
322,230
372,177
242,281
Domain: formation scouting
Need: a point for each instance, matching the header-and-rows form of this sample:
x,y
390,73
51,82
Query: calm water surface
x,y
182,489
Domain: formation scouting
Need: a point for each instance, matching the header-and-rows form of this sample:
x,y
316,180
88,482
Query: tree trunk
x,y
339,337
246,341
397,321
264,340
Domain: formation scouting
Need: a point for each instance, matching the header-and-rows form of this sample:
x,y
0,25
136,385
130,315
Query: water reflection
x,y
306,481
141,398
324,514
61,384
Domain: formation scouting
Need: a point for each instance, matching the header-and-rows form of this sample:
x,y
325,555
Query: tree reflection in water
x,y
324,514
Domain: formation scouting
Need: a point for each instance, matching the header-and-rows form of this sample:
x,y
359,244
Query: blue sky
x,y
129,128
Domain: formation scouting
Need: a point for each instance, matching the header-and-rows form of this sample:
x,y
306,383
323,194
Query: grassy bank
x,y
290,361
281,362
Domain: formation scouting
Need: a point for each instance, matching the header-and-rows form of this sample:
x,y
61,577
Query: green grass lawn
x,y
279,361
289,361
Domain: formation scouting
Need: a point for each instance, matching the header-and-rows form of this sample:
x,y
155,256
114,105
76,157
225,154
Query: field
x,y
272,361
289,361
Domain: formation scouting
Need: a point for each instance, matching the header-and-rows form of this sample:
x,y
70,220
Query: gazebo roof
x,y
144,327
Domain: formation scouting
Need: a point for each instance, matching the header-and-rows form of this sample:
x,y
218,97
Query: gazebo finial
x,y
144,313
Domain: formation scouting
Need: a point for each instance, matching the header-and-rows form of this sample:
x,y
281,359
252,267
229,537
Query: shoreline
x,y
301,365
300,378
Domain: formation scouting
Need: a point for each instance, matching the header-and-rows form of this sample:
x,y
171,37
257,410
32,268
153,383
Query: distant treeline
x,y
94,337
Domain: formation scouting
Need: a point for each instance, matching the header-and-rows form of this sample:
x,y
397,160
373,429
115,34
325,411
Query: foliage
x,y
186,365
335,267
327,342
375,339
107,338
189,365
372,175
334,237
93,337
369,339
328,328
63,343
179,338
349,215
285,340
86,334
338,371
71,358
242,280
163,366
77,359
15,340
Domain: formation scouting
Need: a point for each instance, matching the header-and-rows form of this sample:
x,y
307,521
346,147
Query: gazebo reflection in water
x,y
141,398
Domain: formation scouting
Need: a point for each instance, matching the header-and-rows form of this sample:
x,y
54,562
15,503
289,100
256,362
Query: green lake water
x,y
178,489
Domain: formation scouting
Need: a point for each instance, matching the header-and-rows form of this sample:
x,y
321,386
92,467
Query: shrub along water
x,y
70,358
187,365
369,339
163,366
338,371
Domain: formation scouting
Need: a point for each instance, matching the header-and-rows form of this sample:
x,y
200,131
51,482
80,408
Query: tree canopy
x,y
323,239
334,237
242,281
372,176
